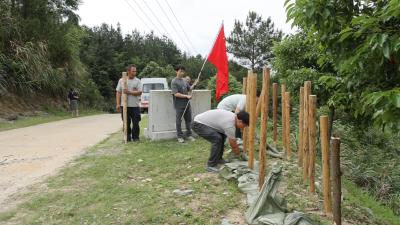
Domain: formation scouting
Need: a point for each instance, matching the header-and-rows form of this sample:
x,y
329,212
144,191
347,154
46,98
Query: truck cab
x,y
149,84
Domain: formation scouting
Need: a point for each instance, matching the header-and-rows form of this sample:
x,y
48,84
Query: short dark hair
x,y
179,67
130,66
244,117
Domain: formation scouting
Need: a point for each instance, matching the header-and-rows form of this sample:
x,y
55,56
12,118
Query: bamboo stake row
x,y
307,137
307,153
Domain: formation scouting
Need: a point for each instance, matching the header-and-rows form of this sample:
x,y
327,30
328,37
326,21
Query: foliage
x,y
363,40
367,165
251,43
235,87
298,59
32,70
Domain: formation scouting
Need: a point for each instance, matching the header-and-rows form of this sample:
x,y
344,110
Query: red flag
x,y
219,59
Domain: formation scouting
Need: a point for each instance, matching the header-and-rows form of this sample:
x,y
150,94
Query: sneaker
x,y
181,140
212,169
191,138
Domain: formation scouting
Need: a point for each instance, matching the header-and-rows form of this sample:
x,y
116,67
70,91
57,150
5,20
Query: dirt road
x,y
27,155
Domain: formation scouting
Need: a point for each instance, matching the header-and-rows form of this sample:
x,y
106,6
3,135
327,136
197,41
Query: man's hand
x,y
243,156
118,108
125,91
189,97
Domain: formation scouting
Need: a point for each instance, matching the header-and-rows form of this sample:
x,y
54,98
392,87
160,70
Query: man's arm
x,y
134,93
118,100
179,95
176,93
234,146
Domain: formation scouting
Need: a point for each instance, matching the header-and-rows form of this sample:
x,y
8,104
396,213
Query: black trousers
x,y
133,116
188,120
216,139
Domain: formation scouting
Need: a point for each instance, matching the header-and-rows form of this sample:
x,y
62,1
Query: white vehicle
x,y
149,84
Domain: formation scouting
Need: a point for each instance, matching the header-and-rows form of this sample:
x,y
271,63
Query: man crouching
x,y
214,126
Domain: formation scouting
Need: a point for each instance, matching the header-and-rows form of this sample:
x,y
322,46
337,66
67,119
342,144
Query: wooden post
x,y
264,99
253,118
244,87
301,118
275,112
326,177
312,103
307,92
125,106
258,107
336,181
245,134
283,108
244,130
287,125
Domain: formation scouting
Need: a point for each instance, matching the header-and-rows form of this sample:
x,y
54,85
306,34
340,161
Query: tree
x,y
251,43
363,40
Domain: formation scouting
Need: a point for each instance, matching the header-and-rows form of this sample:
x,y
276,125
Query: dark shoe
x,y
222,161
212,169
135,139
129,139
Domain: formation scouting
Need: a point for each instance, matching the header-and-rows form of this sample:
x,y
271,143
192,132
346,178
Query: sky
x,y
192,24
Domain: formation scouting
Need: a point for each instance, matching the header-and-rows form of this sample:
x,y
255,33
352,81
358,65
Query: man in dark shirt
x,y
181,98
73,102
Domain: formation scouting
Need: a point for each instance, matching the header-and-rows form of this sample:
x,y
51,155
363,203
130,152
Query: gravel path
x,y
28,155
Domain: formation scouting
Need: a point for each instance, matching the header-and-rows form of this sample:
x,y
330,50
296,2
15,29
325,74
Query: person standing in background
x,y
73,97
181,97
133,91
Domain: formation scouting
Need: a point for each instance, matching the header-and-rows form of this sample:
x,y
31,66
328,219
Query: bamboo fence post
x,y
253,119
301,118
283,90
323,121
244,86
312,104
258,108
125,106
245,134
336,184
275,112
307,92
287,125
264,99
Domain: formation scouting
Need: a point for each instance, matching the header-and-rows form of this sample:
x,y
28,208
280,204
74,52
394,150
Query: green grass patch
x,y
114,183
50,116
368,207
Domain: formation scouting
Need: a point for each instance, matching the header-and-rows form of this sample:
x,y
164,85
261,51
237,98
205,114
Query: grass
x,y
114,183
52,115
370,208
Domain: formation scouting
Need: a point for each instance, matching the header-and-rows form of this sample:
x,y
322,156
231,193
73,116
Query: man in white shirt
x,y
233,103
215,126
133,91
